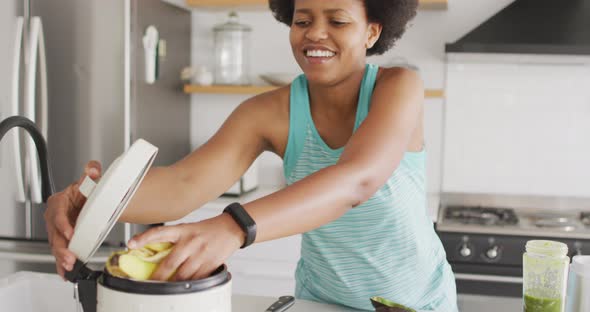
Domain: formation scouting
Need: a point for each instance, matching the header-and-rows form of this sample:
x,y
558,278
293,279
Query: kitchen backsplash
x,y
517,124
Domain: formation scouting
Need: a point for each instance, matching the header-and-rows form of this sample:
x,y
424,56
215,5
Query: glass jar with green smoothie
x,y
545,267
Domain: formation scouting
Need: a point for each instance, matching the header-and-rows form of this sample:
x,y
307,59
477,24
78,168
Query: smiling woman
x,y
384,246
351,138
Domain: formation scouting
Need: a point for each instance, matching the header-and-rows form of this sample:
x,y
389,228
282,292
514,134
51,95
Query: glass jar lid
x,y
547,248
232,24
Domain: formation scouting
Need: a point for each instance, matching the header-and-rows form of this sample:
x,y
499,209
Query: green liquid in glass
x,y
534,304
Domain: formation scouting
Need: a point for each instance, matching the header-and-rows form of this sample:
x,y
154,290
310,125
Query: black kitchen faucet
x,y
7,124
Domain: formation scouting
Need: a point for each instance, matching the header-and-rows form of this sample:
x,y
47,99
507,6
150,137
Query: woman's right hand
x,y
60,217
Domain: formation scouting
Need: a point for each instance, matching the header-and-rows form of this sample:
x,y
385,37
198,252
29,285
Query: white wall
x,y
423,45
517,124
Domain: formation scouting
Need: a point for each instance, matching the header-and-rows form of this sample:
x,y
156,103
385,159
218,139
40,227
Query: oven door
x,y
487,293
481,303
489,285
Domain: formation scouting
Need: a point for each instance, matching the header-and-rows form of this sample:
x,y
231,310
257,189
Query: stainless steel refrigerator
x,y
78,69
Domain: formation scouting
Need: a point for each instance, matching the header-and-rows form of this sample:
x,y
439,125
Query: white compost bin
x,y
36,292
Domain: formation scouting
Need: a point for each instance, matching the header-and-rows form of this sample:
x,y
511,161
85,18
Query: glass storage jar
x,y
578,287
232,52
545,269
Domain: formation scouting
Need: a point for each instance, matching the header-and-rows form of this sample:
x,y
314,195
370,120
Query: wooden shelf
x,y
227,89
434,4
430,93
263,4
434,93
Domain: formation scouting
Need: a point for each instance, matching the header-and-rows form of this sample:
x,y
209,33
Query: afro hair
x,y
393,15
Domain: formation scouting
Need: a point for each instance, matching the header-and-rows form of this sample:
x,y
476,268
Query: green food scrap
x,y
383,305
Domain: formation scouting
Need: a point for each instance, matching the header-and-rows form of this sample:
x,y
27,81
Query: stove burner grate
x,y
563,224
481,215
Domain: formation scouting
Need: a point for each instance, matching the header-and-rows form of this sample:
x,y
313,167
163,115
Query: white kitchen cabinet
x,y
433,117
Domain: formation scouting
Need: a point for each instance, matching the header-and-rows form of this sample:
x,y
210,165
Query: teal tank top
x,y
384,247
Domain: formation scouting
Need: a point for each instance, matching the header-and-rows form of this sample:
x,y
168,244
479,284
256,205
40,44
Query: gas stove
x,y
508,221
484,236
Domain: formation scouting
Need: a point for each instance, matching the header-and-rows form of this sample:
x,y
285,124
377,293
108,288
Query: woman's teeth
x,y
319,53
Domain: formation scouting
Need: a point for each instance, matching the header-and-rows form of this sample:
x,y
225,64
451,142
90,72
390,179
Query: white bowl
x,y
278,79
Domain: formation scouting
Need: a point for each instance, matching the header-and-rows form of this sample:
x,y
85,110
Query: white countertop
x,y
41,292
245,303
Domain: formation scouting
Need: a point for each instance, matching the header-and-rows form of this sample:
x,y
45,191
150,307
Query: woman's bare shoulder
x,y
390,74
268,103
398,81
269,112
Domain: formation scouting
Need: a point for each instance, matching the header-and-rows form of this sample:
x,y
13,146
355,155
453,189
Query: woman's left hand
x,y
199,248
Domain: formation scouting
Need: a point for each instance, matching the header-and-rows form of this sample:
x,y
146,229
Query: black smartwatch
x,y
243,219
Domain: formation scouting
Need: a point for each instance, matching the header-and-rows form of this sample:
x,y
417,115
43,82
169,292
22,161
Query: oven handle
x,y
488,278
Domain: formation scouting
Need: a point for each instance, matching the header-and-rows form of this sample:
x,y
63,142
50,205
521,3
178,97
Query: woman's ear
x,y
373,33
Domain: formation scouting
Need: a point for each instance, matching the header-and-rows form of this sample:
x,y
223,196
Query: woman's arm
x,y
169,193
368,160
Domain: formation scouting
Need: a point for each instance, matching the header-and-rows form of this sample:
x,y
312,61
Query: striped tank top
x,y
384,247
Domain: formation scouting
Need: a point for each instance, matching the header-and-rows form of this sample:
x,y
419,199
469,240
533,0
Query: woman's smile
x,y
316,54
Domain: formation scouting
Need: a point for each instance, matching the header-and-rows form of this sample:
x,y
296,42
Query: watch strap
x,y
243,219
